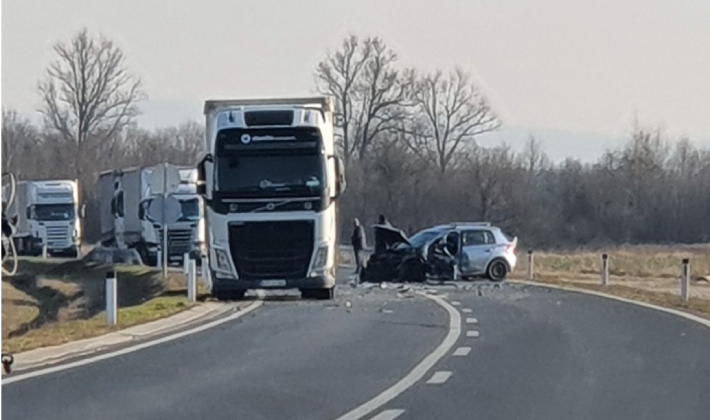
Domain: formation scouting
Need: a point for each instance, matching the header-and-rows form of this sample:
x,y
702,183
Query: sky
x,y
576,74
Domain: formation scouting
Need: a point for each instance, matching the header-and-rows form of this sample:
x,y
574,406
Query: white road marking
x,y
471,321
456,303
462,351
388,415
419,370
703,321
466,310
131,349
439,377
472,334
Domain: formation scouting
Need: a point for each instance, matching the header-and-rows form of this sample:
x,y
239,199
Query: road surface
x,y
522,353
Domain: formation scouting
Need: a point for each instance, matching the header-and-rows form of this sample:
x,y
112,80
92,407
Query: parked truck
x,y
270,179
47,211
127,222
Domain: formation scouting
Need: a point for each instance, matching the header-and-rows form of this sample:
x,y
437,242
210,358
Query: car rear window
x,y
507,237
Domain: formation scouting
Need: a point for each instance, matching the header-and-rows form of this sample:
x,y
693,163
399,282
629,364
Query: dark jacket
x,y
357,239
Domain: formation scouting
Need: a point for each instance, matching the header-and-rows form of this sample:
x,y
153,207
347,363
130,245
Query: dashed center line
x,y
456,303
388,415
472,333
439,377
466,310
471,321
462,351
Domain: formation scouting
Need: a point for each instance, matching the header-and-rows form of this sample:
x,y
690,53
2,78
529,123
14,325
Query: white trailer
x,y
270,179
47,212
125,200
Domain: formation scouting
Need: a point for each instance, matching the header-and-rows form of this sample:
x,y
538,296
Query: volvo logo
x,y
233,207
246,139
270,206
307,205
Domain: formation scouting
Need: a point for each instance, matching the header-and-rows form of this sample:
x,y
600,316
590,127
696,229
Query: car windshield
x,y
54,212
419,239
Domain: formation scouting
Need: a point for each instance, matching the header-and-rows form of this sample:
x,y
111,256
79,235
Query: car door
x,y
476,251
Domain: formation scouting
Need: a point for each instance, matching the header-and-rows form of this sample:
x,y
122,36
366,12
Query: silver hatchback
x,y
476,249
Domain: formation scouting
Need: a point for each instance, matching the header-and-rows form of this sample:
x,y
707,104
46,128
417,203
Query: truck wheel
x,y
225,295
318,294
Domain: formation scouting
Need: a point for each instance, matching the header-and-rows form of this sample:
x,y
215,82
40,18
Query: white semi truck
x,y
270,179
47,210
126,222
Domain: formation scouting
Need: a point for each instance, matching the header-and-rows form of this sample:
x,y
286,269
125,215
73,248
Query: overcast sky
x,y
573,72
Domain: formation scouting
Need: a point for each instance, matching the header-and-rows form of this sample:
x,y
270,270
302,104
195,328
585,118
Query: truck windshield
x,y
189,210
271,175
54,212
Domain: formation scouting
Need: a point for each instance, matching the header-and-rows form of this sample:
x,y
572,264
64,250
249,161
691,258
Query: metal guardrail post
x,y
111,298
685,280
531,264
605,270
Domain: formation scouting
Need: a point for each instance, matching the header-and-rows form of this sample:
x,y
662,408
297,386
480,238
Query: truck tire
x,y
318,294
226,295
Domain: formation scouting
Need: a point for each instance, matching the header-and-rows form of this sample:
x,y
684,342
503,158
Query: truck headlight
x,y
222,259
320,262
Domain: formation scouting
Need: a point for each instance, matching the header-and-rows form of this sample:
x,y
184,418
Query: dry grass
x,y
59,332
645,273
51,302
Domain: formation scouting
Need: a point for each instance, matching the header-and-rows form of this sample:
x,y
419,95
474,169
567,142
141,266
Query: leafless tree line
x,y
409,142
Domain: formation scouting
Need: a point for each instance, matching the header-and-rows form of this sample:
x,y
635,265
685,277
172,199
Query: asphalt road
x,y
539,354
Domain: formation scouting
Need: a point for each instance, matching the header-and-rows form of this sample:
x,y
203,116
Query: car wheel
x,y
497,270
412,271
318,294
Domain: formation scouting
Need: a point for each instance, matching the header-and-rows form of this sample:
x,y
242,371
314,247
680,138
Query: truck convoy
x,y
125,198
46,210
270,180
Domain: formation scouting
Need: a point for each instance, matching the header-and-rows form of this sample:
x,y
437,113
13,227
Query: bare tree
x,y
88,95
367,89
20,143
449,110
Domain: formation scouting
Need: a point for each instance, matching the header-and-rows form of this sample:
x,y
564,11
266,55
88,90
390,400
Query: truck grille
x,y
272,250
58,237
179,241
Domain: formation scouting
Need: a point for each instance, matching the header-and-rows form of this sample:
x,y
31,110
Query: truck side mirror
x,y
82,211
340,182
202,174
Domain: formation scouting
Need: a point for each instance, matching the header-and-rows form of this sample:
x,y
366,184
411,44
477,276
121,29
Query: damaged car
x,y
445,252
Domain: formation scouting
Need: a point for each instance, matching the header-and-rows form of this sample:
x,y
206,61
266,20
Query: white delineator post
x,y
685,280
165,224
43,234
192,281
605,270
531,264
185,262
111,298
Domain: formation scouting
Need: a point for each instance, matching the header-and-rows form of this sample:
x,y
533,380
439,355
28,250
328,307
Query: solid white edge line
x,y
439,377
419,370
388,415
131,349
700,320
462,351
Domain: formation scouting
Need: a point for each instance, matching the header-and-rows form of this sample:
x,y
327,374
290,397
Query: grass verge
x,y
52,302
55,333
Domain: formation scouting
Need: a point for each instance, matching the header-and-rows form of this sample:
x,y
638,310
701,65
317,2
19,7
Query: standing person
x,y
357,239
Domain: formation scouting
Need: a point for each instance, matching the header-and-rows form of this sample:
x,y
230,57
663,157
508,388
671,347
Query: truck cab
x,y
270,180
47,211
